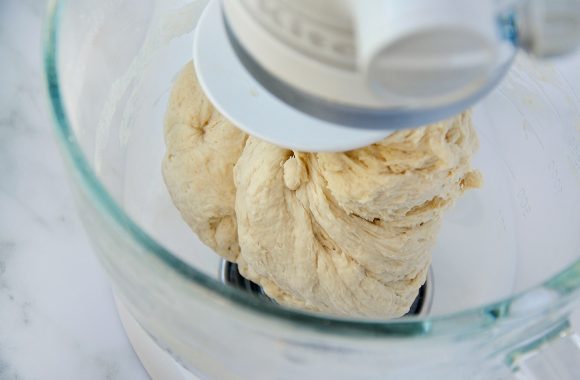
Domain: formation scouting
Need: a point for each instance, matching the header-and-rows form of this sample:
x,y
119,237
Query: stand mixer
x,y
339,75
333,77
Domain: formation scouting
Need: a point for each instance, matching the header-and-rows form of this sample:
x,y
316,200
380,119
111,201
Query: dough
x,y
341,233
202,149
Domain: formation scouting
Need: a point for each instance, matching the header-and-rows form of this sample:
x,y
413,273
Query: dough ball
x,y
341,233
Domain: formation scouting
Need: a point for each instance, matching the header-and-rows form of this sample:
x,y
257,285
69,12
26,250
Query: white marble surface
x,y
57,318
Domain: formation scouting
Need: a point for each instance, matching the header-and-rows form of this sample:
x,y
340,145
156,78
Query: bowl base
x,y
157,362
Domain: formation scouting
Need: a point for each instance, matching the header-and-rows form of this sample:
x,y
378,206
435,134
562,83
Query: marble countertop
x,y
57,316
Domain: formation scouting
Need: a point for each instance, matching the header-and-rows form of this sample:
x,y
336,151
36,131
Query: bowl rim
x,y
566,282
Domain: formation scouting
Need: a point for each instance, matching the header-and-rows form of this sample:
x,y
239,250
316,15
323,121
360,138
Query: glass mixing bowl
x,y
506,266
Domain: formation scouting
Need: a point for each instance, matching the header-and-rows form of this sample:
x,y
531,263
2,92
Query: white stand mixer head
x,y
338,75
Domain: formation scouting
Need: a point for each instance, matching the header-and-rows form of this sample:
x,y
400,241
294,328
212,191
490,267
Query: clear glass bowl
x,y
506,266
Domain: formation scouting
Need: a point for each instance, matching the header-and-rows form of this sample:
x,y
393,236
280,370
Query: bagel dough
x,y
340,233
